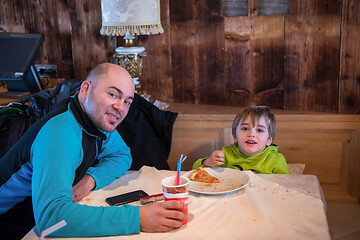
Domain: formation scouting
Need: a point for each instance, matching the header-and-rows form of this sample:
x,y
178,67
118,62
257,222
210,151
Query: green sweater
x,y
268,161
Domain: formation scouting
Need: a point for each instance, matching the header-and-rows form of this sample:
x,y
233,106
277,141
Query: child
x,y
254,131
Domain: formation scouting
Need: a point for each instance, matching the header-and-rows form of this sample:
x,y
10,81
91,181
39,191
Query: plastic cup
x,y
177,192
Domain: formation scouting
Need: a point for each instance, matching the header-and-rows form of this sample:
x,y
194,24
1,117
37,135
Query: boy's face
x,y
251,139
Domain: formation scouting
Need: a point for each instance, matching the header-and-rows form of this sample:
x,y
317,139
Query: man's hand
x,y
83,187
161,216
216,158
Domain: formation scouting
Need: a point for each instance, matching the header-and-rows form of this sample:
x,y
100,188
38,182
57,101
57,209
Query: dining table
x,y
267,206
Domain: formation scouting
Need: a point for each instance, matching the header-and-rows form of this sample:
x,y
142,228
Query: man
x,y
71,151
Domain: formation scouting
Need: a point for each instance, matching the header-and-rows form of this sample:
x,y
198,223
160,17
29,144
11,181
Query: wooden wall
x,y
308,60
328,144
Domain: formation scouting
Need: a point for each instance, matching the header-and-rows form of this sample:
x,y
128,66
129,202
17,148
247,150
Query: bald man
x,y
72,150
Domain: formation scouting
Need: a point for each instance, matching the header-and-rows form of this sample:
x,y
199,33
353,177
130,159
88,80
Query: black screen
x,y
17,53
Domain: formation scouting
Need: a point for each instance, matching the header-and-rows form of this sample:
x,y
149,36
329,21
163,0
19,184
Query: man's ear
x,y
84,89
269,141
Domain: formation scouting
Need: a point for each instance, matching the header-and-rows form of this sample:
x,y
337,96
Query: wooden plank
x,y
49,18
237,60
254,60
349,92
52,19
88,46
349,101
195,143
197,45
211,45
330,164
314,8
156,79
312,56
61,18
11,16
183,51
268,61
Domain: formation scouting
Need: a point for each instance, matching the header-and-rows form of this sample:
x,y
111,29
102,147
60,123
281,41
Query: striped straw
x,y
52,229
181,160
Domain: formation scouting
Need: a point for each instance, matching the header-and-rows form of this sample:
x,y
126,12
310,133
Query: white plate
x,y
230,180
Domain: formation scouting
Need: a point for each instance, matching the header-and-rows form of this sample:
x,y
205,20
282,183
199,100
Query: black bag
x,y
17,118
42,102
13,124
147,131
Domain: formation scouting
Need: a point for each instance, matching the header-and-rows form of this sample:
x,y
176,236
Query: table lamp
x,y
129,18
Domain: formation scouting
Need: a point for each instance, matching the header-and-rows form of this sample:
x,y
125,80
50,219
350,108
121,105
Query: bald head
x,y
101,71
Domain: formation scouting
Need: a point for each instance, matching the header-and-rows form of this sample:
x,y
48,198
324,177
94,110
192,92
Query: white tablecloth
x,y
262,210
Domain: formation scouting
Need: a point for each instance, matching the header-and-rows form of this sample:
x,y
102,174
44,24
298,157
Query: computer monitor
x,y
17,53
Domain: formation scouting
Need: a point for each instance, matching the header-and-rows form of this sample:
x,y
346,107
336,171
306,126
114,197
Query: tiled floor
x,y
344,221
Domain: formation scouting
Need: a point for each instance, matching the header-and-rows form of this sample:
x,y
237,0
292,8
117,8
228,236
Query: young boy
x,y
254,131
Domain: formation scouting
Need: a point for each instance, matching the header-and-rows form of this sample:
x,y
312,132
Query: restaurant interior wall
x,y
307,60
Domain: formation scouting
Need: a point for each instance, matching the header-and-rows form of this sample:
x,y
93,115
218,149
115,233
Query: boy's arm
x,y
199,163
216,159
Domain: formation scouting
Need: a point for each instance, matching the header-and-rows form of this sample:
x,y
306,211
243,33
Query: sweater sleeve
x,y
55,155
280,165
199,163
115,160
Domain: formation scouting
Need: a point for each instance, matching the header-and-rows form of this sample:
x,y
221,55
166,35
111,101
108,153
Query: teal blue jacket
x,y
53,156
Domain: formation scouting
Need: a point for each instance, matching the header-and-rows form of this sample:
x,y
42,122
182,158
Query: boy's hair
x,y
255,113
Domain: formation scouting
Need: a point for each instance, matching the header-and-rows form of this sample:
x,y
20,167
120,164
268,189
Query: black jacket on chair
x,y
147,130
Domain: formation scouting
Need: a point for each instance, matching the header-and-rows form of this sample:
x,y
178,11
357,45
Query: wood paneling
x,y
238,60
307,60
85,18
328,144
193,141
157,79
12,16
255,60
350,58
197,40
312,56
50,18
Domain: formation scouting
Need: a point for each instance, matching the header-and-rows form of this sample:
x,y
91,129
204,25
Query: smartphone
x,y
126,198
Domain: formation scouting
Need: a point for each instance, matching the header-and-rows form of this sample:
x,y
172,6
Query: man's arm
x,y
115,160
83,188
54,165
118,159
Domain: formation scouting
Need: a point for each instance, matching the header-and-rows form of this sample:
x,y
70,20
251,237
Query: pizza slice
x,y
200,175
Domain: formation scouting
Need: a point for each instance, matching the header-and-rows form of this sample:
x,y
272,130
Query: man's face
x,y
251,139
108,101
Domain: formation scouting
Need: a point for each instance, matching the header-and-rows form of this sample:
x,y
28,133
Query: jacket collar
x,y
83,119
238,154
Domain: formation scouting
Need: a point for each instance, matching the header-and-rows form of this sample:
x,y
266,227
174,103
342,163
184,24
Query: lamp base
x,y
130,57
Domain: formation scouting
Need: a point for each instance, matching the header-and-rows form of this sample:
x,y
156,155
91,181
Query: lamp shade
x,y
130,17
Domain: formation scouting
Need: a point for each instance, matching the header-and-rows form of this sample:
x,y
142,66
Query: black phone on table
x,y
126,198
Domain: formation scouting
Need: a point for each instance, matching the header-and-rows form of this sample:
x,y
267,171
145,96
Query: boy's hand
x,y
216,158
